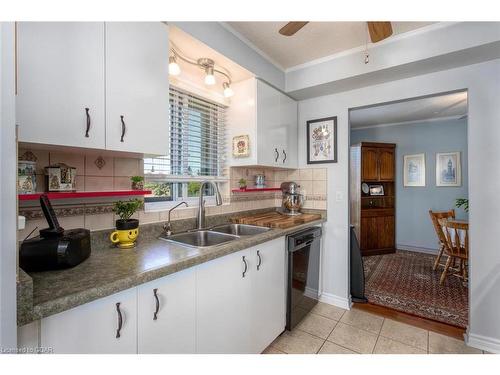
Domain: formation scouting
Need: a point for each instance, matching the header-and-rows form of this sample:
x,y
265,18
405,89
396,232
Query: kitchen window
x,y
196,152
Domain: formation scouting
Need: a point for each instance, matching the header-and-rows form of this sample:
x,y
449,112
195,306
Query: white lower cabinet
x,y
107,325
232,304
166,314
268,293
241,301
223,304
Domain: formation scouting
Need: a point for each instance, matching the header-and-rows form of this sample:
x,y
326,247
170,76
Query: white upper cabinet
x,y
94,85
166,322
137,96
60,80
269,118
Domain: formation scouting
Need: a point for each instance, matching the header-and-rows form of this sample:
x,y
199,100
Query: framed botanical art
x,y
241,146
414,170
322,140
448,169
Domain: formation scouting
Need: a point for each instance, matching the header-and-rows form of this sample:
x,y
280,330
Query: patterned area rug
x,y
405,281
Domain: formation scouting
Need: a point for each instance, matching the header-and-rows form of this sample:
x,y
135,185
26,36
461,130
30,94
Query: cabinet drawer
x,y
375,212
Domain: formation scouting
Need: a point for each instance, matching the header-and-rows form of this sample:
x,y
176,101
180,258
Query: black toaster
x,y
55,248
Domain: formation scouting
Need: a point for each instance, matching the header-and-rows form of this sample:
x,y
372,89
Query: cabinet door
x,y
377,232
137,96
369,164
386,236
172,328
60,75
288,108
386,164
268,293
92,327
271,134
223,315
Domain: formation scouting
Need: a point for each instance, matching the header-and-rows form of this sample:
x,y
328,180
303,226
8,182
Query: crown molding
x,y
412,122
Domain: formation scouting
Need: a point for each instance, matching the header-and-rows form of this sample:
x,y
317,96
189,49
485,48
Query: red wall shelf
x,y
84,194
253,190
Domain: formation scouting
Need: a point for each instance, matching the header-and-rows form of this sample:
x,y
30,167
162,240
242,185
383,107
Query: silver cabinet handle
x,y
260,260
246,266
155,294
277,155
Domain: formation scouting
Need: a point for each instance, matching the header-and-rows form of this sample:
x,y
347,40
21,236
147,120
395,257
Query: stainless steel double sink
x,y
214,236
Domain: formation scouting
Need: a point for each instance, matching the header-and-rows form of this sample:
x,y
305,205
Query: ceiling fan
x,y
378,30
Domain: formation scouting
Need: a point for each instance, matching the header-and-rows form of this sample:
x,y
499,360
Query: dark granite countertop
x,y
110,270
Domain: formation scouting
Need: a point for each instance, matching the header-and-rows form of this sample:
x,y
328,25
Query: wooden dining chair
x,y
456,247
435,217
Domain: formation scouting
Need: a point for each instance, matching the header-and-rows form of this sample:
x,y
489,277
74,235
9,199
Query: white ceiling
x,y
194,49
313,41
411,111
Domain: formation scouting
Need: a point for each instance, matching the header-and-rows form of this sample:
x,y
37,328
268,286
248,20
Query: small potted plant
x,y
462,202
137,182
127,229
243,183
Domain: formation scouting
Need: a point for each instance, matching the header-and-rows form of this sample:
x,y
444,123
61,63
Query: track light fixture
x,y
173,67
208,65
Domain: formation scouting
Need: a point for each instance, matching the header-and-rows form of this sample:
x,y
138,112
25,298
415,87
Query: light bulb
x,y
228,91
173,68
209,77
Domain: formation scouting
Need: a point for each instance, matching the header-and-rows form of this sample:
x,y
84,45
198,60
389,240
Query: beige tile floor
x,y
330,330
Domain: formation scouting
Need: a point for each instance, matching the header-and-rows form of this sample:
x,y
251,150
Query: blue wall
x,y
413,225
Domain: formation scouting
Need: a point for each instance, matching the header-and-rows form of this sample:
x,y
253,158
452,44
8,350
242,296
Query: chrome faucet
x,y
167,228
200,217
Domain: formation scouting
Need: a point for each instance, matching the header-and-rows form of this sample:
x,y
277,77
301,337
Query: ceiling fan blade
x,y
291,28
379,31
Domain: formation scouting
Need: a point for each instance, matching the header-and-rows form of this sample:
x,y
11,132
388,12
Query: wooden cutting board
x,y
275,220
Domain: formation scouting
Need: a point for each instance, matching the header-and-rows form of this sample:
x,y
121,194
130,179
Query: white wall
x,y
8,171
483,84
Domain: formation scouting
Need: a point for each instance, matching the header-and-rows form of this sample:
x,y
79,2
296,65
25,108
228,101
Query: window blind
x,y
197,139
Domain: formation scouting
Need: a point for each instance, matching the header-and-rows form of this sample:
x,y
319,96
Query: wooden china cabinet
x,y
372,196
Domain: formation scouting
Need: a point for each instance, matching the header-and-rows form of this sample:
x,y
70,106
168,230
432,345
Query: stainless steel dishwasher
x,y
303,274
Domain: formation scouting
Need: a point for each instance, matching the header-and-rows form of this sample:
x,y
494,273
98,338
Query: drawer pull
x,y
260,260
88,123
124,128
120,320
155,293
246,266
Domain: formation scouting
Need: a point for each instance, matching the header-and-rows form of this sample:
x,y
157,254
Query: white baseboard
x,y
417,249
489,344
311,293
331,299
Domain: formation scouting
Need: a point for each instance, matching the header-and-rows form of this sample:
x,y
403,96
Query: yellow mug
x,y
124,238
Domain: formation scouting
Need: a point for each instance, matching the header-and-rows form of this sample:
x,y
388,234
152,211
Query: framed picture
x,y
241,146
376,189
448,169
414,170
322,140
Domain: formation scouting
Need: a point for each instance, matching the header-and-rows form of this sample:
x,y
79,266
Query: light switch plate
x,y
339,196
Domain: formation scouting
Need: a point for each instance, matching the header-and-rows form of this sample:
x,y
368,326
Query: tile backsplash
x,y
94,171
100,171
